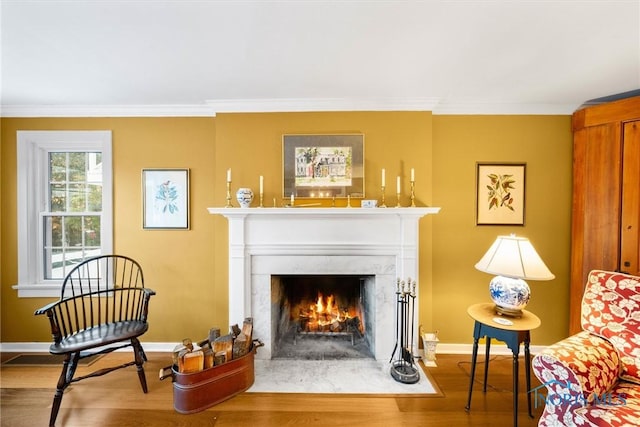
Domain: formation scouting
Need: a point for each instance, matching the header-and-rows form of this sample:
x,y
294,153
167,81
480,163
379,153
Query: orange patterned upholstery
x,y
593,378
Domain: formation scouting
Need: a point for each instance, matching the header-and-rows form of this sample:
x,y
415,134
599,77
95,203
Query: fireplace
x,y
376,246
319,317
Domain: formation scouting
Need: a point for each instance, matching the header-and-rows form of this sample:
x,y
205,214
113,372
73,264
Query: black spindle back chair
x,y
103,307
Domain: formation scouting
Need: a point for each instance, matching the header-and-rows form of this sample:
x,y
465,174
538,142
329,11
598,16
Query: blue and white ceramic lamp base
x,y
511,295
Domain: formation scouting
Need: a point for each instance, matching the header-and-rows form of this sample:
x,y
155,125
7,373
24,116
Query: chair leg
x,y
68,369
140,358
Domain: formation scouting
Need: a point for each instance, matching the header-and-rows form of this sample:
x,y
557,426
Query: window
x,y
64,205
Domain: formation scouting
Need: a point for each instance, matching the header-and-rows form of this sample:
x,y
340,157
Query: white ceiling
x,y
149,57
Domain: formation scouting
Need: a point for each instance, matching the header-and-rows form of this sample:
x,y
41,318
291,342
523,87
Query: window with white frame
x,y
64,205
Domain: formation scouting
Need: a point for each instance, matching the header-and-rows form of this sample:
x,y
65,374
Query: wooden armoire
x,y
605,224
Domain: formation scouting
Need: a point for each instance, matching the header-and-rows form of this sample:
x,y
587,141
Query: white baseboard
x,y
43,347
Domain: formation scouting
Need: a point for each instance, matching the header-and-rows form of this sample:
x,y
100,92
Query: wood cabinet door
x,y
630,231
595,231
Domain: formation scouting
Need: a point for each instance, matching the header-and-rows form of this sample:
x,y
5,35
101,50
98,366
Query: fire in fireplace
x,y
322,316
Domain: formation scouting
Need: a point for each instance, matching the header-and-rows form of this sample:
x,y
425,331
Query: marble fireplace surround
x,y
265,242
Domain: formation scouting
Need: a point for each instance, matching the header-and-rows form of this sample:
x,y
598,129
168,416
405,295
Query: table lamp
x,y
512,259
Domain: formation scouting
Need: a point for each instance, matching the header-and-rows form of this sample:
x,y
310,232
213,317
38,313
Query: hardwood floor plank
x,y
116,399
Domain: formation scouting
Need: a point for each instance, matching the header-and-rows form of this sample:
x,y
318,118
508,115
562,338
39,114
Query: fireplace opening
x,y
317,317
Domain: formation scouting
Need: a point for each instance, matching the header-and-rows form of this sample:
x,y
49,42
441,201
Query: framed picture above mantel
x,y
323,166
500,193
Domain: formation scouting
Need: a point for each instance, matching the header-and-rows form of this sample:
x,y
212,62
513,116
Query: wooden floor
x,y
117,400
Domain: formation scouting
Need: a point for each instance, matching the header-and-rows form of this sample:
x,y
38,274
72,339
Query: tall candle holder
x,y
229,205
413,194
261,200
398,198
382,205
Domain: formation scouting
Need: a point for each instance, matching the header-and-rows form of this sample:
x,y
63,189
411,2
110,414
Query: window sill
x,y
38,290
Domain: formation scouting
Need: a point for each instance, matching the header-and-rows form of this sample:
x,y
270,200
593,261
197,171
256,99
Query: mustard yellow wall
x,y
177,264
544,143
188,269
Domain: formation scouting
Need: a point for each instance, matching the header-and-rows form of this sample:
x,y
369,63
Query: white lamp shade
x,y
512,256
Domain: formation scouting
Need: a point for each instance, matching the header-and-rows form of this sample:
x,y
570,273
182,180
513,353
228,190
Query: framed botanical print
x,y
500,193
165,199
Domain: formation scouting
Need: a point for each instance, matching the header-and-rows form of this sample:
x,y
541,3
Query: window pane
x,y
77,166
77,197
58,201
92,230
57,167
73,231
94,198
53,231
55,266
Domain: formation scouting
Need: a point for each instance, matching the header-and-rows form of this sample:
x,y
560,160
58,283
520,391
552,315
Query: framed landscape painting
x,y
323,166
500,191
165,195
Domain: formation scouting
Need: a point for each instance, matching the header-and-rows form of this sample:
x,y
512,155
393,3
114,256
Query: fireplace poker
x,y
403,369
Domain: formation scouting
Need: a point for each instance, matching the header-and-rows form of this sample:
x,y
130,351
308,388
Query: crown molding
x,y
488,108
321,104
164,110
211,107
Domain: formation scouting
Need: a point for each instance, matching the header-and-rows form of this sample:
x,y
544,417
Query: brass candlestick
x,y
398,196
229,205
261,200
382,205
348,200
413,194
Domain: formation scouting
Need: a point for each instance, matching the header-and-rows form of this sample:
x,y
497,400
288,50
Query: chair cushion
x,y
611,309
99,336
620,407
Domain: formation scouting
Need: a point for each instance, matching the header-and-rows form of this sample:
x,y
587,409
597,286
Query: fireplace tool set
x,y
403,368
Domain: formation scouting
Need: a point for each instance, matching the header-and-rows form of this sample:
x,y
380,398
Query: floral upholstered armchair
x,y
593,377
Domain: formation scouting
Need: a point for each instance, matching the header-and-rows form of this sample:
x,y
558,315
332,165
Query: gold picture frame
x,y
323,166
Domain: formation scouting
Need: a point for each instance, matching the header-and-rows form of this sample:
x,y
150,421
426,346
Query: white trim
x,y
479,108
321,104
496,349
32,147
106,111
211,107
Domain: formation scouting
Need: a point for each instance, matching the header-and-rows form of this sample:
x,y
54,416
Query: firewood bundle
x,y
215,349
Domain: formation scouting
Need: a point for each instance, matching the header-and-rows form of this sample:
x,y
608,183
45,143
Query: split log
x,y
219,358
192,362
208,358
224,343
247,328
213,334
235,330
241,346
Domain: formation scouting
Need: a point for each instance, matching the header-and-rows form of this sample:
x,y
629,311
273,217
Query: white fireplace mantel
x,y
266,241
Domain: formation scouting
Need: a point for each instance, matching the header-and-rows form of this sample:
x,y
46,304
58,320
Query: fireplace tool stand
x,y
403,368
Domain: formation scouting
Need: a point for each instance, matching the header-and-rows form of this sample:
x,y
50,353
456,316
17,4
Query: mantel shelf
x,y
320,212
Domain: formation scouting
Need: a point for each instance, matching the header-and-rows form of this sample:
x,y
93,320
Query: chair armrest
x,y
578,368
46,308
